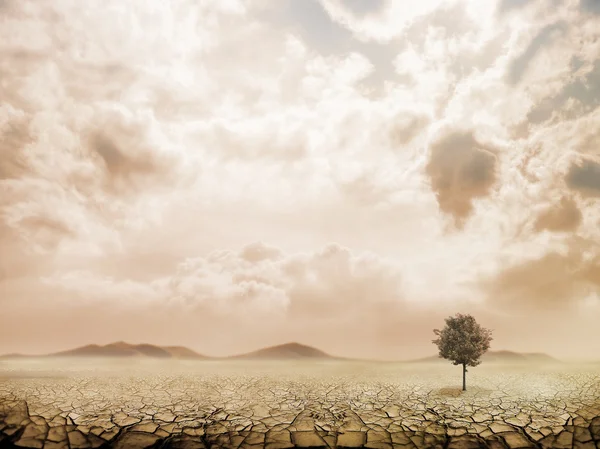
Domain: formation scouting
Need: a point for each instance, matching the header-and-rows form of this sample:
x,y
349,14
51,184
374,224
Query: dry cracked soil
x,y
54,404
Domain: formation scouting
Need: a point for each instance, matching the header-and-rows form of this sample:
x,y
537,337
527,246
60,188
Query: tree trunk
x,y
464,377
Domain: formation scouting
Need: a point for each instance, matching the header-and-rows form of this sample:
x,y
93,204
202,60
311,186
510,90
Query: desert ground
x,y
79,403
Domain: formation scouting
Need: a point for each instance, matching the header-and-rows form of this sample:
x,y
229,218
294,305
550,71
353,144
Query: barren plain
x,y
79,403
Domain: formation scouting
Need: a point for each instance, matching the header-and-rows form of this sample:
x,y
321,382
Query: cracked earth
x,y
190,404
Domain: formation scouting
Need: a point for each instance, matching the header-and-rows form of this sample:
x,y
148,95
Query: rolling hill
x,y
122,349
285,351
518,357
499,357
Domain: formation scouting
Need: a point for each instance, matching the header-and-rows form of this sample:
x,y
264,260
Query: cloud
x,y
257,252
544,283
562,217
510,5
592,6
258,288
85,287
408,126
387,22
557,280
16,258
583,91
364,7
585,177
310,22
542,39
127,150
124,151
255,281
276,138
261,279
14,137
461,170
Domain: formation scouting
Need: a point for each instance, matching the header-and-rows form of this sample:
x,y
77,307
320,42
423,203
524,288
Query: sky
x,y
228,175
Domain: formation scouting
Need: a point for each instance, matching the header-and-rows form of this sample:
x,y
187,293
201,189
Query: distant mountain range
x,y
121,349
287,351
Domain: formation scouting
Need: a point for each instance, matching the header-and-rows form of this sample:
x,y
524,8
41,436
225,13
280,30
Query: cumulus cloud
x,y
461,169
325,291
255,281
141,140
306,286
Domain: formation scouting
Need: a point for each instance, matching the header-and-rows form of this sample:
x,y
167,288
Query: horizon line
x,y
429,357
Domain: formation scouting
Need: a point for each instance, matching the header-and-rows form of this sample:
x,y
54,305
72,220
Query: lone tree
x,y
463,342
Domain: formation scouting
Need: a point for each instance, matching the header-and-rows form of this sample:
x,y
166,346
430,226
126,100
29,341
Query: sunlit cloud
x,y
449,147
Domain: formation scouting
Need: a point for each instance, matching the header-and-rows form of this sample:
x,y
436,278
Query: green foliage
x,y
462,341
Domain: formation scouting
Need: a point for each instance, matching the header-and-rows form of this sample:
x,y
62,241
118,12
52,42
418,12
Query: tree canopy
x,y
463,341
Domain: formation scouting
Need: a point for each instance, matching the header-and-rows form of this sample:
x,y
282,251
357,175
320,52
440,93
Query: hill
x,y
181,352
499,357
518,357
285,351
122,349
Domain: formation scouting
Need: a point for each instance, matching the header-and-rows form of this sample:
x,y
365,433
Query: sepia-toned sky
x,y
228,174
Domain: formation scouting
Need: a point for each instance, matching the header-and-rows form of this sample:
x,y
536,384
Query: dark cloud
x,y
562,217
550,282
118,162
128,157
509,5
585,177
519,66
54,225
257,252
592,6
591,273
52,229
460,169
363,7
